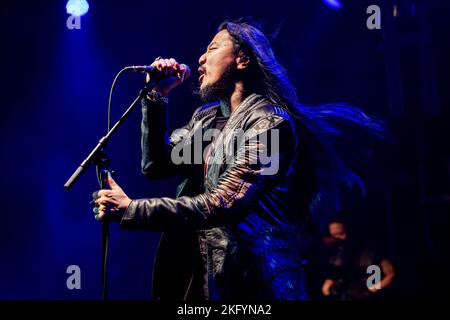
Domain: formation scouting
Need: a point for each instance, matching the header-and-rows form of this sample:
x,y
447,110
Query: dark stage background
x,y
54,89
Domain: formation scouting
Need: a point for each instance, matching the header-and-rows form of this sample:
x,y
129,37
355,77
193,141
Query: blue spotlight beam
x,y
335,4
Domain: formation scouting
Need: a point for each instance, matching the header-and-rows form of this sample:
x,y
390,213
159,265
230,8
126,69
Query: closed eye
x,y
212,45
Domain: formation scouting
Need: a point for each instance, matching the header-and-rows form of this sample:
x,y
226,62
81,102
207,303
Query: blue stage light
x,y
77,7
335,4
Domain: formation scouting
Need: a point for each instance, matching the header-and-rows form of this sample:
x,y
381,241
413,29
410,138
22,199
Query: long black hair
x,y
332,134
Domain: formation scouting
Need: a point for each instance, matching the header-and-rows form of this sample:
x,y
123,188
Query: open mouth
x,y
202,74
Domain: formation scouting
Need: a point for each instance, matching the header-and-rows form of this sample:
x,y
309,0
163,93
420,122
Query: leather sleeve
x,y
238,187
156,145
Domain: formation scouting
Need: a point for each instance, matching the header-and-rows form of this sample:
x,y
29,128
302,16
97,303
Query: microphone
x,y
155,73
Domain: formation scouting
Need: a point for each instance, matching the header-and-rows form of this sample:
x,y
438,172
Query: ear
x,y
242,61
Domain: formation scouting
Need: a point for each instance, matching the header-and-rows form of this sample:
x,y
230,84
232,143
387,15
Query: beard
x,y
221,90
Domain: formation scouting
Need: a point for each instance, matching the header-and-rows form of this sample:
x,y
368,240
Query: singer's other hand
x,y
173,73
110,204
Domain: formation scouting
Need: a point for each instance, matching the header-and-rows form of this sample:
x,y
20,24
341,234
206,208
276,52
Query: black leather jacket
x,y
233,233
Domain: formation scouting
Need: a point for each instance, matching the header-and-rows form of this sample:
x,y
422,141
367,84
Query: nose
x,y
202,59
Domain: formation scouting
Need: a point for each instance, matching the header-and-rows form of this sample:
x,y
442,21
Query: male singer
x,y
235,229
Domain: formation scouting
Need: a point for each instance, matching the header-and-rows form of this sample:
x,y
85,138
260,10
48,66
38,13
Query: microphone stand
x,y
101,161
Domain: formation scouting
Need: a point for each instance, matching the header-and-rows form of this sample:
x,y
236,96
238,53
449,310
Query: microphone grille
x,y
187,71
